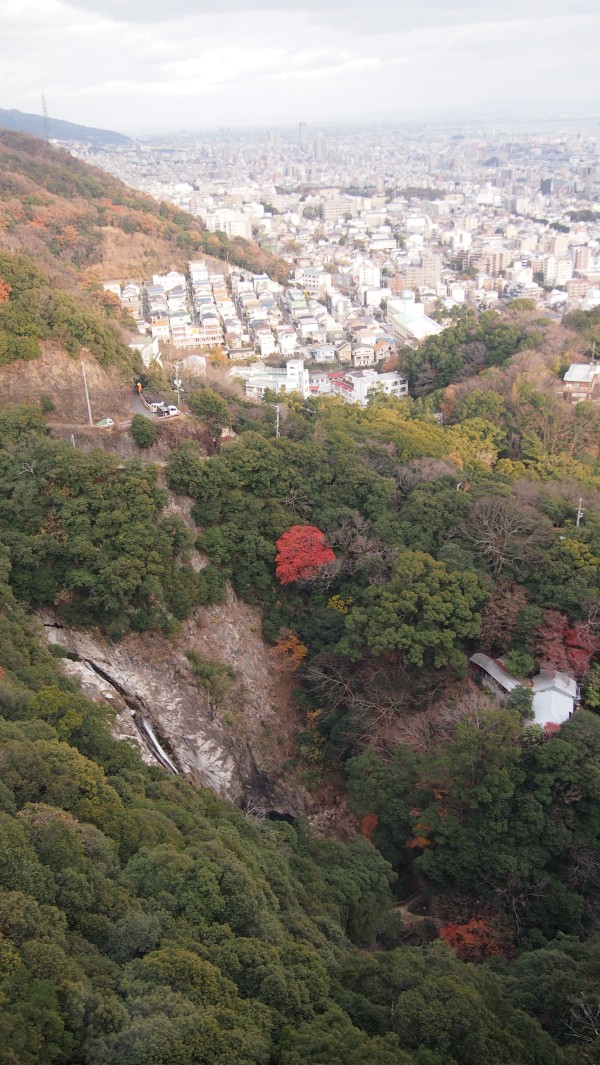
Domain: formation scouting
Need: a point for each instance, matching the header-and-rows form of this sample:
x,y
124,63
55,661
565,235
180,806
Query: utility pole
x,y
277,431
87,395
177,383
579,513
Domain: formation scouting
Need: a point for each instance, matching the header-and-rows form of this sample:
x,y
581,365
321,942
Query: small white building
x,y
554,696
308,327
258,378
313,280
148,349
169,282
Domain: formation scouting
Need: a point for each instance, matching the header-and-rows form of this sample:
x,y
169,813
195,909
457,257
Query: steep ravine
x,y
238,747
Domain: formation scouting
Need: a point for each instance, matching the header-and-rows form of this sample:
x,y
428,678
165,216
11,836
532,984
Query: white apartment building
x,y
558,269
259,378
340,306
232,223
266,343
197,270
357,386
367,274
334,209
311,279
409,321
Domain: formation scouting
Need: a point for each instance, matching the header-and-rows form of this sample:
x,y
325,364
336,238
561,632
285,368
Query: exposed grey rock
x,y
237,747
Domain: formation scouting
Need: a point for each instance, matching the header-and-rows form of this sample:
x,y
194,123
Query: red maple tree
x,y
581,646
568,648
550,641
302,552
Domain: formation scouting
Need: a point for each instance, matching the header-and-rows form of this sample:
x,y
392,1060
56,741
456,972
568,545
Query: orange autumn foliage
x,y
474,941
419,842
289,648
368,824
5,291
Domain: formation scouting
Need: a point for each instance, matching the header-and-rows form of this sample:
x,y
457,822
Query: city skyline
x,y
134,67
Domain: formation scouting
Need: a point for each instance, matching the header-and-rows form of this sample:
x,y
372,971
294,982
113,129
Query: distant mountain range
x,y
21,122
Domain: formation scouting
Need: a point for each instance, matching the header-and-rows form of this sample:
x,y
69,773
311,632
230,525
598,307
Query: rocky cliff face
x,y
238,743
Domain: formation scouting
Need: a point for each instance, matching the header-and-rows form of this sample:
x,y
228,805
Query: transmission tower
x,y
46,119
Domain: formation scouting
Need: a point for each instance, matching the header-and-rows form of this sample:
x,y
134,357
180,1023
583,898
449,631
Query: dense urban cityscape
x,y
388,232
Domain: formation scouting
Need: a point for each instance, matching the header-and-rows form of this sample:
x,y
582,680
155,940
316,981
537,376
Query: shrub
x,y
143,430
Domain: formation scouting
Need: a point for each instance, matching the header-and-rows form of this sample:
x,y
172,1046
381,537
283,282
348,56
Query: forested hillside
x,y
62,213
183,923
141,920
145,921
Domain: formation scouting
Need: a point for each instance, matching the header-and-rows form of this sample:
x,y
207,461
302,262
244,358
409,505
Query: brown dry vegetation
x,y
58,376
134,255
57,209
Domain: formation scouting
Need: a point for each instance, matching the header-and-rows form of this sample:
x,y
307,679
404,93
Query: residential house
x,y
384,348
266,343
363,355
344,352
322,352
307,328
148,349
582,381
554,697
287,339
320,383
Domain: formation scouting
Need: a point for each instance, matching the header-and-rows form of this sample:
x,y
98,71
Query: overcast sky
x,y
168,64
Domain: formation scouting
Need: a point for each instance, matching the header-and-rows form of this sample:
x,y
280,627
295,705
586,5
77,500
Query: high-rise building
x,y
303,136
558,269
581,258
319,148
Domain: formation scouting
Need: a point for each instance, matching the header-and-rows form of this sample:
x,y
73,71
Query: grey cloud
x,y
117,62
408,15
